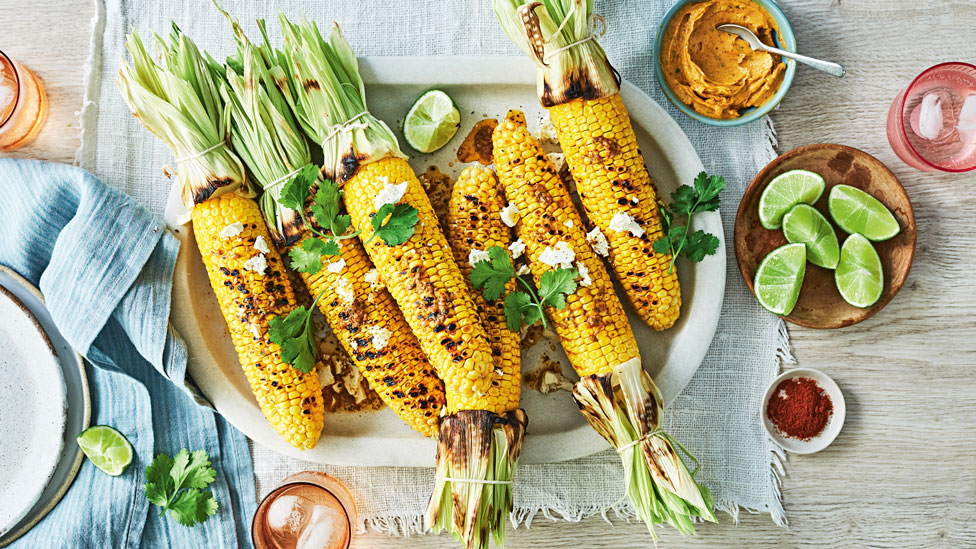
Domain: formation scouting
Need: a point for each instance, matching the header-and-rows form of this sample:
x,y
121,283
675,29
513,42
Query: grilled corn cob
x,y
179,103
474,224
614,393
361,153
580,90
363,315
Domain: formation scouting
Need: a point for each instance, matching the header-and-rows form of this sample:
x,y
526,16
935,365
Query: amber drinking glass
x,y
23,104
308,510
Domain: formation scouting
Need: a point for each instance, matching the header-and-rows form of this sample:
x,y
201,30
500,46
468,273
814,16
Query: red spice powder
x,y
799,408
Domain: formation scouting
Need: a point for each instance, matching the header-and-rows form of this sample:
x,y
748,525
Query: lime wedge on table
x,y
431,122
856,211
785,191
859,276
779,278
107,449
805,225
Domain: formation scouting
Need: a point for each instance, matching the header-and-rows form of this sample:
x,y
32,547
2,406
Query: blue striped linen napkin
x,y
105,267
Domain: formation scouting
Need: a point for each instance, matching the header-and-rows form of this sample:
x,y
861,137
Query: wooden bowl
x,y
820,304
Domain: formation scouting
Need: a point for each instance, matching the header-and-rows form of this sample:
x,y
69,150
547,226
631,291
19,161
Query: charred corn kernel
x,y
474,223
248,299
601,150
426,283
593,328
373,331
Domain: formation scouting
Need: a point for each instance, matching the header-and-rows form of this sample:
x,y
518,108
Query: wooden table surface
x,y
903,471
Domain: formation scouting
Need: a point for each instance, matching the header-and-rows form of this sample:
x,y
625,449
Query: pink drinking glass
x,y
932,124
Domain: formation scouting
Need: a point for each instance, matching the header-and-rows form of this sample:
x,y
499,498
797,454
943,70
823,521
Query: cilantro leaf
x,y
325,207
493,275
555,285
394,224
700,244
519,307
295,337
708,188
295,191
176,484
308,257
683,200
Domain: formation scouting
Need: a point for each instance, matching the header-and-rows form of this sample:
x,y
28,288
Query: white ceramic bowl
x,y
833,427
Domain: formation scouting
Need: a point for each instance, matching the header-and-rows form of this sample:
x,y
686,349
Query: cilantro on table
x,y
493,275
686,202
176,484
400,220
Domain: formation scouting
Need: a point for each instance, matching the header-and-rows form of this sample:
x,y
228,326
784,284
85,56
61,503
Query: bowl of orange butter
x,y
714,76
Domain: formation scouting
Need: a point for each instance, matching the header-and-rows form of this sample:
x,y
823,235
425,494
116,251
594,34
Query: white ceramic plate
x,y
74,383
32,410
834,425
481,87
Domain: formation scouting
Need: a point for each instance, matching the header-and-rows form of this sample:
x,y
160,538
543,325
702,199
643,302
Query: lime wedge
x,y
431,122
779,278
785,191
855,211
804,224
107,449
859,276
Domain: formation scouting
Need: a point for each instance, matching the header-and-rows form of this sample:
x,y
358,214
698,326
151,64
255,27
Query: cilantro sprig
x,y
177,485
295,336
686,202
521,307
394,224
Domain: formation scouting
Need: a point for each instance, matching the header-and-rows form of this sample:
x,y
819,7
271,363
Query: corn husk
x,y
481,446
327,94
569,67
178,100
625,406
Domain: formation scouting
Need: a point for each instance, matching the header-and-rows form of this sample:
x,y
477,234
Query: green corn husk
x,y
625,406
179,102
264,131
480,446
581,71
327,94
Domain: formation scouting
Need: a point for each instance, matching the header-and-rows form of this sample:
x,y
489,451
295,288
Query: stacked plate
x,y
44,405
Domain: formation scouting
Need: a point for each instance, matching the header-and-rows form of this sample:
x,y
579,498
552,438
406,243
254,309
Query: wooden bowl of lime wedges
x,y
825,236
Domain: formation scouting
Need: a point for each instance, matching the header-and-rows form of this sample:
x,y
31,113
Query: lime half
x,y
785,191
779,278
107,449
859,276
856,211
804,224
431,122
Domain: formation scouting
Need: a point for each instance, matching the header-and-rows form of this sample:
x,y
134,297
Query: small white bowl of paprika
x,y
803,410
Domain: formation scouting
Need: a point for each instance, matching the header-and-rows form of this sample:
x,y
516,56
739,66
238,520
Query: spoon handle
x,y
828,67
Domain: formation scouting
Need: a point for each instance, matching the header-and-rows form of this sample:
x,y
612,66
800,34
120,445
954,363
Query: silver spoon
x,y
754,42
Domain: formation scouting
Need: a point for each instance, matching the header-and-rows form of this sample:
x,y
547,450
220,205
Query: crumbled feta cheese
x,y
557,159
547,130
344,289
350,382
633,200
257,264
373,277
389,194
510,214
569,223
623,222
477,255
598,241
381,336
522,270
517,248
255,331
261,245
232,230
561,256
326,378
584,274
353,344
336,266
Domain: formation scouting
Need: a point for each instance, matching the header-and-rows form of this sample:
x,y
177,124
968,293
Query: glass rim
x,y
298,482
13,107
901,116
